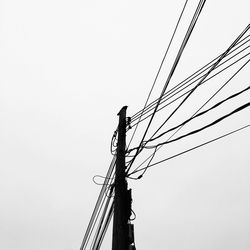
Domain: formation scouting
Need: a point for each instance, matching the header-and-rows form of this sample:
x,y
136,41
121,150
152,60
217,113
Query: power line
x,y
105,227
215,106
98,205
184,42
205,76
196,115
192,76
188,150
204,127
101,223
159,70
140,147
157,148
179,86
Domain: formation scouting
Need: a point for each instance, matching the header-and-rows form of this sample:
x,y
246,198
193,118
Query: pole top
x,y
124,108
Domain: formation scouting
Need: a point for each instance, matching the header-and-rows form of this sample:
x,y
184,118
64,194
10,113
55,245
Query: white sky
x,y
67,67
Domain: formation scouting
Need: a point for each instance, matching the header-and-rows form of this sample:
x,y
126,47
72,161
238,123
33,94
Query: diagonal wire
x,y
97,206
194,115
158,148
204,77
193,148
165,97
191,77
158,72
246,105
184,42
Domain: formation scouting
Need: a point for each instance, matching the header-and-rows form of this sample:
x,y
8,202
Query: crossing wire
x,y
105,227
215,106
189,78
93,218
157,148
159,70
184,42
101,222
191,149
209,78
205,76
246,105
168,94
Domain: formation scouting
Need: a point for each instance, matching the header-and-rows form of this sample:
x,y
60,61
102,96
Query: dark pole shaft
x,y
120,221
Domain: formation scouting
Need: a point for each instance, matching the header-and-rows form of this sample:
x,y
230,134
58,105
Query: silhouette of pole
x,y
120,220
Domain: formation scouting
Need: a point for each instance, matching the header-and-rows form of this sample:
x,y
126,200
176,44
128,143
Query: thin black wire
x,y
179,86
97,206
205,76
95,221
192,76
184,42
152,155
151,158
159,70
188,150
215,106
103,177
98,230
112,143
105,227
209,78
214,65
246,105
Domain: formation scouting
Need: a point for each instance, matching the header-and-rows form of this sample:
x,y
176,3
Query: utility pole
x,y
121,214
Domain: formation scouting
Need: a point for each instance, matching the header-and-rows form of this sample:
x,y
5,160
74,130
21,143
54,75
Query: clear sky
x,y
67,67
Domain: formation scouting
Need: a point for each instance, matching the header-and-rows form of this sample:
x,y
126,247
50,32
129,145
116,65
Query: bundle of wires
x,y
102,213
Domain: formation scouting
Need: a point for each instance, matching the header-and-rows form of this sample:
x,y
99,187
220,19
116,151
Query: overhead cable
x,y
191,77
201,113
184,42
158,72
187,84
190,149
99,229
205,76
105,227
246,105
97,205
181,125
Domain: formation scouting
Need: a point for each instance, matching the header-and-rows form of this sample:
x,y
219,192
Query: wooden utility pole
x,y
120,222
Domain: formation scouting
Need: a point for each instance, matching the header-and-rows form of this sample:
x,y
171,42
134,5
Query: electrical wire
x,y
97,206
159,70
101,221
100,176
184,42
209,78
185,83
112,143
140,147
246,105
205,111
178,55
205,76
190,149
105,227
181,125
189,78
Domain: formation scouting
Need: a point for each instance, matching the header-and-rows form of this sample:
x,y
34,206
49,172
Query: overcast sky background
x,y
67,67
